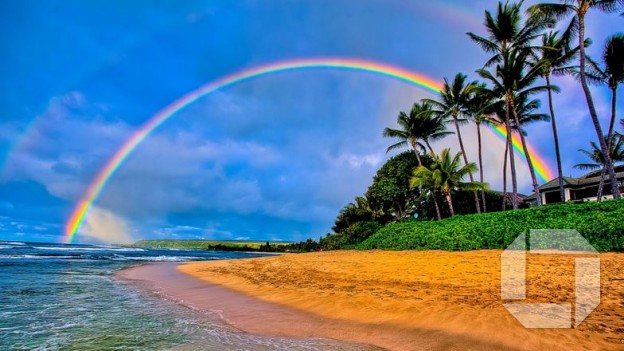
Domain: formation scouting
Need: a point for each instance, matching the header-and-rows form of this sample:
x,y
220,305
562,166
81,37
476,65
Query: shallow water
x,y
55,296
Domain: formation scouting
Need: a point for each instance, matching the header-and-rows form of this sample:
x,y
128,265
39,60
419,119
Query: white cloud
x,y
106,227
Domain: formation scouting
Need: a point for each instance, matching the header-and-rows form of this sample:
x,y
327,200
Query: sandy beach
x,y
408,300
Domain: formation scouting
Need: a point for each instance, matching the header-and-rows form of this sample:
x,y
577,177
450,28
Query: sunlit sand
x,y
428,300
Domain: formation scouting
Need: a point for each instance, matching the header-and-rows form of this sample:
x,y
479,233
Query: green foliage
x,y
354,234
353,213
464,204
599,222
390,192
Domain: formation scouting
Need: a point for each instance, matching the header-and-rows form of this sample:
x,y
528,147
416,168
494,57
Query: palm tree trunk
x,y
603,173
429,147
505,176
416,152
463,150
435,204
449,199
592,111
612,122
527,155
481,165
609,141
399,210
512,162
556,138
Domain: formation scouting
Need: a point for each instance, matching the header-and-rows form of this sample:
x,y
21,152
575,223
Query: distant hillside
x,y
221,245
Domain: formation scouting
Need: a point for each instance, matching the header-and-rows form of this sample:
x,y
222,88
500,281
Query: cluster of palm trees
x,y
526,53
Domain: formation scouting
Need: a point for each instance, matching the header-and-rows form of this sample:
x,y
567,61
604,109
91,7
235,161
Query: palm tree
x,y
446,174
427,184
595,154
556,57
432,126
507,31
418,126
482,108
578,9
453,105
526,110
612,74
513,80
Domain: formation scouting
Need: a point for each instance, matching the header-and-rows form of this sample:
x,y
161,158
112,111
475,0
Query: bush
x,y
601,223
350,237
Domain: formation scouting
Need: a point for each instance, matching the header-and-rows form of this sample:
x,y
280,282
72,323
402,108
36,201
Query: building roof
x,y
553,184
589,178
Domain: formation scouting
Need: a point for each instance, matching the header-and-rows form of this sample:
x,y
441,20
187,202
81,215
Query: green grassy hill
x,y
601,223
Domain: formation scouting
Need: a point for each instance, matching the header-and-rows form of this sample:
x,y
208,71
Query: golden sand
x,y
420,300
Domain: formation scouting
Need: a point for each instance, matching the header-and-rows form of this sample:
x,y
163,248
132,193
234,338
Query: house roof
x,y
589,178
553,184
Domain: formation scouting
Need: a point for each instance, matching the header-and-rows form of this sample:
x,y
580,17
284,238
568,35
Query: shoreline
x,y
236,309
302,295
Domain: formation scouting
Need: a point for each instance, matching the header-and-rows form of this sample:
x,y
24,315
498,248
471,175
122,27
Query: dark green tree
x,y
390,191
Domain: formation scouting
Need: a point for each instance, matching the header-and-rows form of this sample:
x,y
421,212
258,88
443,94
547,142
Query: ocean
x,y
66,297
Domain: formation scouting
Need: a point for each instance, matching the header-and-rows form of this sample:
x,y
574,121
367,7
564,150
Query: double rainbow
x,y
114,163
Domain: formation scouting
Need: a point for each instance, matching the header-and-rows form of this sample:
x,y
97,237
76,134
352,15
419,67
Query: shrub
x,y
601,223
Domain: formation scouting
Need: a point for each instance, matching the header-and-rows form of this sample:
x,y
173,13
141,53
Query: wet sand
x,y
407,300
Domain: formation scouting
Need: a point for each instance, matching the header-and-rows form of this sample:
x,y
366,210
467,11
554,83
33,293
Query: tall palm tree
x,y
446,174
482,108
611,74
514,78
526,110
416,127
556,56
506,31
453,105
578,9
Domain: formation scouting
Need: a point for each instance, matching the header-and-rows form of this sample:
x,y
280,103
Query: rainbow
x,y
112,165
539,164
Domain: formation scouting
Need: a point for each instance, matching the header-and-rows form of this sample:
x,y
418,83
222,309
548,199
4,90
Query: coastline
x,y
236,309
314,295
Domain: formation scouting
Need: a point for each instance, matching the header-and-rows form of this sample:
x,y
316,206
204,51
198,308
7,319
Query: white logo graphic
x,y
587,278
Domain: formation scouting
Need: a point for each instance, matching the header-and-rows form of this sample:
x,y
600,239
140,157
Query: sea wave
x,y
12,243
158,258
104,248
38,257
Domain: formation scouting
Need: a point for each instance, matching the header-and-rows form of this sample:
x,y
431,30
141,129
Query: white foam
x,y
36,256
18,243
73,248
158,258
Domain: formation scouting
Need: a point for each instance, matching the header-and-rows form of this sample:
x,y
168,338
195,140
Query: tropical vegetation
x,y
415,196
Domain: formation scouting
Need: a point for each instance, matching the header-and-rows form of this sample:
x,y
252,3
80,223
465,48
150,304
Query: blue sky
x,y
272,158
